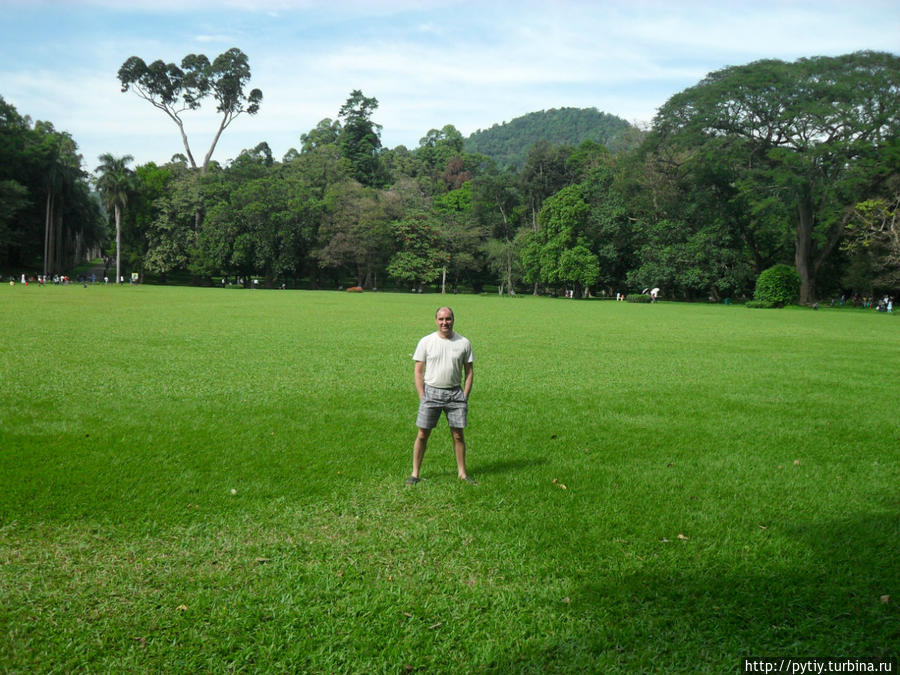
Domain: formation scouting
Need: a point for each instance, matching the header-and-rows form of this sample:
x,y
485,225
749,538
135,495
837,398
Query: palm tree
x,y
115,182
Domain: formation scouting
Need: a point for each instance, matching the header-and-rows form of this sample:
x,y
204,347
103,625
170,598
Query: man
x,y
443,359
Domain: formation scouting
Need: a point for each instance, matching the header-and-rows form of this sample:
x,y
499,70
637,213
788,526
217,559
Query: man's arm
x,y
420,378
470,373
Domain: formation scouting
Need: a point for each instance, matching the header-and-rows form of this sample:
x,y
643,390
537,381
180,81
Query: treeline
x,y
50,219
756,165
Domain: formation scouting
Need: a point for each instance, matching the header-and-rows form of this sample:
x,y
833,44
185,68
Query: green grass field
x,y
207,480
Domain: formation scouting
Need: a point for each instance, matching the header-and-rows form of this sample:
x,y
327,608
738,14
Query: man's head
x,y
443,319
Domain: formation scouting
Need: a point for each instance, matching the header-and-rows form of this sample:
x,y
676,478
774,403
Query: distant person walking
x,y
443,377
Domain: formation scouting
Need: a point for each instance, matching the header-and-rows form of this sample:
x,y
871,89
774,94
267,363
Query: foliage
x,y
740,172
360,139
639,298
808,131
49,221
779,285
116,182
419,257
873,239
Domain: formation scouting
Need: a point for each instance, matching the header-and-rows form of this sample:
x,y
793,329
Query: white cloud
x,y
471,64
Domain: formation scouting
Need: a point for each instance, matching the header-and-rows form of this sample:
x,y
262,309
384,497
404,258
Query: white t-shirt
x,y
444,359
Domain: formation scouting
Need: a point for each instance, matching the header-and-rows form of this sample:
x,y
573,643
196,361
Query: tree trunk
x,y
224,123
59,249
803,251
48,226
118,243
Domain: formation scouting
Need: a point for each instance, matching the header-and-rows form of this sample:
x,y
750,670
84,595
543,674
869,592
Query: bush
x,y
778,285
760,304
638,297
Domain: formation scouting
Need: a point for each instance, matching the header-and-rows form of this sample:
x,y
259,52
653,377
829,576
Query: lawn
x,y
209,480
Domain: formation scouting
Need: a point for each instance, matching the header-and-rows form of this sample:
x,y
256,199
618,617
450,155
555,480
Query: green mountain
x,y
508,143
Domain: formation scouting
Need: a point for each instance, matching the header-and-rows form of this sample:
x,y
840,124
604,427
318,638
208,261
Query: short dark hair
x,y
438,310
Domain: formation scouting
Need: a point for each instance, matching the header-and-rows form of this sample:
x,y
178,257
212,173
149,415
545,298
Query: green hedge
x,y
638,297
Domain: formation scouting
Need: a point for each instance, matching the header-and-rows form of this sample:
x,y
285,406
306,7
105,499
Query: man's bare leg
x,y
419,450
459,448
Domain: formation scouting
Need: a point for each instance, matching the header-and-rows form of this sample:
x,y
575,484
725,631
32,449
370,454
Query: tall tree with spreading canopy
x,y
176,90
810,133
115,183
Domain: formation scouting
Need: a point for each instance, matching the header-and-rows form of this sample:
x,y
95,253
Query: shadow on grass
x,y
495,468
702,613
508,466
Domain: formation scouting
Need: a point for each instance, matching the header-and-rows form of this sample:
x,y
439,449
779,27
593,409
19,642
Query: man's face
x,y
444,321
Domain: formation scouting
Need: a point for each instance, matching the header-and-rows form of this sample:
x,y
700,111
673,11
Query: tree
x,y
355,233
610,227
154,184
873,239
436,151
497,207
171,237
175,90
326,132
544,174
115,183
460,235
559,252
13,199
61,170
808,133
579,267
420,257
360,138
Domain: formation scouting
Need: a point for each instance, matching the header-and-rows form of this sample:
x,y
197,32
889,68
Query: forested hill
x,y
508,143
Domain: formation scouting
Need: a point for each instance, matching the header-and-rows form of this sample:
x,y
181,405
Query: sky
x,y
429,63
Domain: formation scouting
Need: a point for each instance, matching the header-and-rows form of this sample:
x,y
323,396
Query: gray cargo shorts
x,y
435,401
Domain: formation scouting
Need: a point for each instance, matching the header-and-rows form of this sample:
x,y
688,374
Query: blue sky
x,y
429,63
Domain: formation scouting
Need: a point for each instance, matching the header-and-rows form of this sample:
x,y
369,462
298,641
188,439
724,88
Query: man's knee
x,y
457,434
423,434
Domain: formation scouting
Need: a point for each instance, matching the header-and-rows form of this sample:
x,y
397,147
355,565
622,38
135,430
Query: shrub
x,y
779,285
759,304
638,297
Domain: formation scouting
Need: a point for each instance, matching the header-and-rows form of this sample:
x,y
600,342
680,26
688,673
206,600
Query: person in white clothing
x,y
443,377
